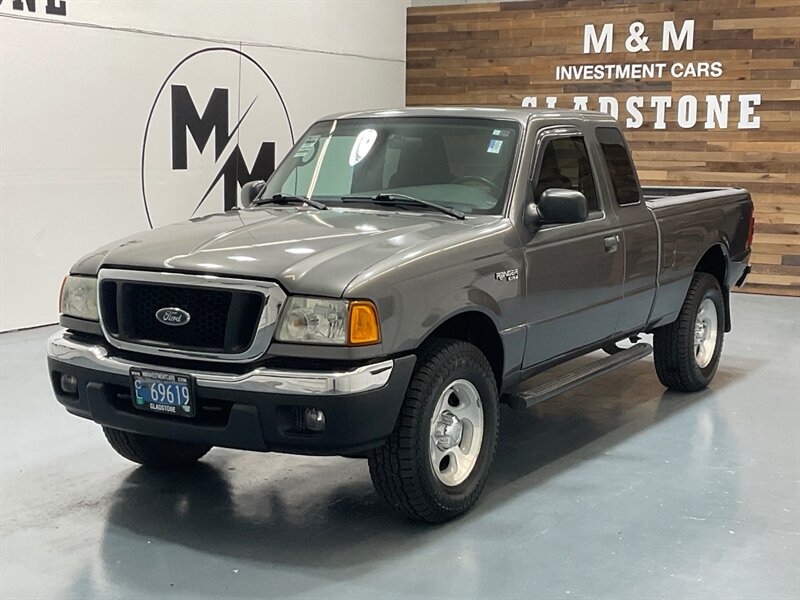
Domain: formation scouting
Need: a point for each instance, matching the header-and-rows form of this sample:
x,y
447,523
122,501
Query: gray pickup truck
x,y
400,274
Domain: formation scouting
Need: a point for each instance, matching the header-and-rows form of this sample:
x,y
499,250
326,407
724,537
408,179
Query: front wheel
x,y
435,464
686,352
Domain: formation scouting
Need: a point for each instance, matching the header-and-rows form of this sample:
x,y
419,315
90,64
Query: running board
x,y
576,377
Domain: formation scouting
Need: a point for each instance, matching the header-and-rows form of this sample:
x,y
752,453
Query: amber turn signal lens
x,y
363,324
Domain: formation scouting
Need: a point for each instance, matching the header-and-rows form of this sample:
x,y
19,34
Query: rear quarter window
x,y
619,165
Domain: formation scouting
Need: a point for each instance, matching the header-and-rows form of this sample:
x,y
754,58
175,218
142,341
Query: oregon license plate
x,y
162,392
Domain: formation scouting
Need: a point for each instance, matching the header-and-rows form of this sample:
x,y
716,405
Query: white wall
x,y
76,92
444,2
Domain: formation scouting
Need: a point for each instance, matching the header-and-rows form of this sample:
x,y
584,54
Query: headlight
x,y
79,297
324,321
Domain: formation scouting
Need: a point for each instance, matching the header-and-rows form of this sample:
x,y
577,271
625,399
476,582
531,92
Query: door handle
x,y
611,243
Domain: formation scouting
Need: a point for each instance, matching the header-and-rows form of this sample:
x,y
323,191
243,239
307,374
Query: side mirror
x,y
250,190
557,205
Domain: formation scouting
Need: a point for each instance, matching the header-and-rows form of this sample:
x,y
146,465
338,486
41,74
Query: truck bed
x,y
663,196
682,215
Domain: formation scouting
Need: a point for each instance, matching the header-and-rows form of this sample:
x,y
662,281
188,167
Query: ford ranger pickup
x,y
398,276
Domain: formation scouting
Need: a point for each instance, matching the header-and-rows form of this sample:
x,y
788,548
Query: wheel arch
x,y
715,262
478,328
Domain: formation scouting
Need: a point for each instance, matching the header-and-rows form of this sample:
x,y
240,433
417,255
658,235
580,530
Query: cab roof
x,y
520,114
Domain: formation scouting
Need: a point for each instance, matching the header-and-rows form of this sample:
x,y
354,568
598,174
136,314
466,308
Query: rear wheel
x,y
686,352
435,464
154,452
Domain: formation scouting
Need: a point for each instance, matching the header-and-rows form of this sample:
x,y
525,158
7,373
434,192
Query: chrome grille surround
x,y
274,298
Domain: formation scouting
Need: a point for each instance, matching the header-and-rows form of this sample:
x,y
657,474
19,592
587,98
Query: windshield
x,y
459,163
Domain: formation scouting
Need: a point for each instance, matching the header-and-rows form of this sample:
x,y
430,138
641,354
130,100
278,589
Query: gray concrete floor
x,y
615,490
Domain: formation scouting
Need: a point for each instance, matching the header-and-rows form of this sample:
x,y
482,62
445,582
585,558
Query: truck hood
x,y
308,251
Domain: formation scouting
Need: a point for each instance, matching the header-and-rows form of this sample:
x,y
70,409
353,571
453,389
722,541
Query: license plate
x,y
162,392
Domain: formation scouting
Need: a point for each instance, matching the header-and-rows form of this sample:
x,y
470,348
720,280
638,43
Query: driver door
x,y
575,271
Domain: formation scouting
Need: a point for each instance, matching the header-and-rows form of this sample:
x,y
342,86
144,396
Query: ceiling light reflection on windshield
x,y
362,146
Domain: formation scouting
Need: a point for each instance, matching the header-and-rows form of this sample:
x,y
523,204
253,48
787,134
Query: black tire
x,y
401,470
674,344
154,452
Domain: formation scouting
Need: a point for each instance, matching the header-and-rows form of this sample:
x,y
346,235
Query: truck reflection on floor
x,y
288,511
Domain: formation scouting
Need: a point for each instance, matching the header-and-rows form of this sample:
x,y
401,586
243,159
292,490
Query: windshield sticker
x,y
501,132
494,146
362,146
307,147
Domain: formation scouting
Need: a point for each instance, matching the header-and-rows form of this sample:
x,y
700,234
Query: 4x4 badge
x,y
173,316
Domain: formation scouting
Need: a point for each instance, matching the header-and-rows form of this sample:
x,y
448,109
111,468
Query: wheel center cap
x,y
449,430
701,332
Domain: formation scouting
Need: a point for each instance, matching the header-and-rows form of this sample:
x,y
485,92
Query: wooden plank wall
x,y
501,53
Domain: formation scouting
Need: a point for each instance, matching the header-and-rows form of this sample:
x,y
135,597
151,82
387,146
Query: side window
x,y
620,166
565,164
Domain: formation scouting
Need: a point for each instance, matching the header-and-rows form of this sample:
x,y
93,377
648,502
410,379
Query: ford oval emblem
x,y
173,316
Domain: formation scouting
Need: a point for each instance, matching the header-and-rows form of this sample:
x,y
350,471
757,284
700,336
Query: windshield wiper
x,y
400,198
287,198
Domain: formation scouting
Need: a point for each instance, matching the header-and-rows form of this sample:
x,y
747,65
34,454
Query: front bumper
x,y
259,410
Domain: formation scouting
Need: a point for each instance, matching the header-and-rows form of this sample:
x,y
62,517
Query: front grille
x,y
222,321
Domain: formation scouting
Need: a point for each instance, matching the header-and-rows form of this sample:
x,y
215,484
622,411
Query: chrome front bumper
x,y
64,348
